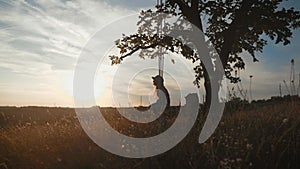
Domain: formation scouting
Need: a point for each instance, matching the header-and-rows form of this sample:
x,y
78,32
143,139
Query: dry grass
x,y
264,137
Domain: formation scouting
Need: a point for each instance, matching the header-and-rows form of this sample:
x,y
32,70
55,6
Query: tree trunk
x,y
211,84
194,18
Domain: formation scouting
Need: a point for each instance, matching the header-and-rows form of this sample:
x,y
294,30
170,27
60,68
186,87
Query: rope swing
x,y
160,52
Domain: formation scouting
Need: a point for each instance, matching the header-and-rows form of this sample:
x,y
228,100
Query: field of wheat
x,y
260,137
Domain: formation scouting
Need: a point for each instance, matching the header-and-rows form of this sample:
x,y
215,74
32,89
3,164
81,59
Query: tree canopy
x,y
232,27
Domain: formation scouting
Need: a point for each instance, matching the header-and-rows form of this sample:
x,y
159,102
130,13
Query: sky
x,y
41,42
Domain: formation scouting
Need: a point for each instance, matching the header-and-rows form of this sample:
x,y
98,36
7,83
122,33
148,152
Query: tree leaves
x,y
232,27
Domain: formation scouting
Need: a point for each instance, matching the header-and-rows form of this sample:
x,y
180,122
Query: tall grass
x,y
262,137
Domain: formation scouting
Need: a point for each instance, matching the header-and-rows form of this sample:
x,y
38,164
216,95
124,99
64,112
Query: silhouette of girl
x,y
163,101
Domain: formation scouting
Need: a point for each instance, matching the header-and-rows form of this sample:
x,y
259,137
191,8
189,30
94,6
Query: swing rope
x,y
160,35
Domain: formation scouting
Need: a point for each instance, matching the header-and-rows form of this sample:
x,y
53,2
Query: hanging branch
x,y
139,48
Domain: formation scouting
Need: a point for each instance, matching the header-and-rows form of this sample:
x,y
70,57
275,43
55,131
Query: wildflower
x,y
285,120
249,146
238,160
58,159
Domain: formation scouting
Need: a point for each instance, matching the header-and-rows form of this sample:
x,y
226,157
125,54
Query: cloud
x,y
133,4
40,39
48,28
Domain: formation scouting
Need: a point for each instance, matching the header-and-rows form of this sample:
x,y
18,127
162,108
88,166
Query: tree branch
x,y
195,5
138,48
191,13
182,5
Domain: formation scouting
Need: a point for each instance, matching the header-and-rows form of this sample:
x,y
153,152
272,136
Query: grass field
x,y
263,137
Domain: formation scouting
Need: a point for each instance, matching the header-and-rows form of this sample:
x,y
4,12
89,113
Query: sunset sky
x,y
42,40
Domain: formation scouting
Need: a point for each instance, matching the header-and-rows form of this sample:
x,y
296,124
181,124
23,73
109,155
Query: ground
x,y
264,136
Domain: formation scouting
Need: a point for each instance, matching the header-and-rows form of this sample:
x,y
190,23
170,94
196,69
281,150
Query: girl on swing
x,y
163,101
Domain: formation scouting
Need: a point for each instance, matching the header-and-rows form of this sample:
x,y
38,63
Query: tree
x,y
233,27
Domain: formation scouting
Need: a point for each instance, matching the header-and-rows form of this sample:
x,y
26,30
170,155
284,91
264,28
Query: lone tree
x,y
232,27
